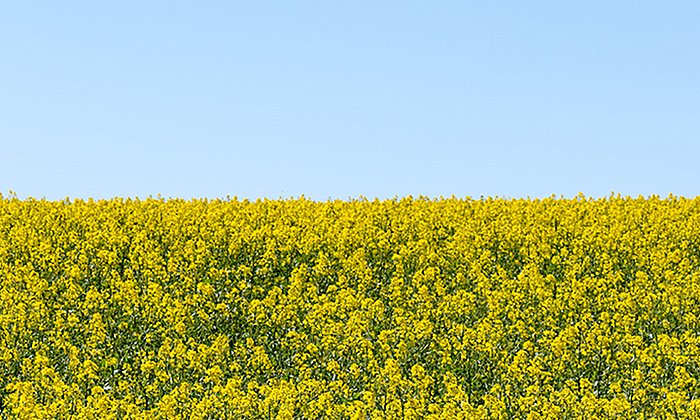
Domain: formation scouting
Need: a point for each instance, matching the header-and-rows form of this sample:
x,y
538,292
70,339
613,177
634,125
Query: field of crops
x,y
406,308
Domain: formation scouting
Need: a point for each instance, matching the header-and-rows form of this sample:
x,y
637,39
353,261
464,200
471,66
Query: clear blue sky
x,y
341,99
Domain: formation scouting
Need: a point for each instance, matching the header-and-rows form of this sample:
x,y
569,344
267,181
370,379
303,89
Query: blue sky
x,y
341,99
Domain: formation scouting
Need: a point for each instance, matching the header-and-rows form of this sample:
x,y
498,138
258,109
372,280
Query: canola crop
x,y
406,308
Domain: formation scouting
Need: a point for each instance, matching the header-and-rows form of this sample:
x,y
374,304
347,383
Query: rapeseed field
x,y
407,308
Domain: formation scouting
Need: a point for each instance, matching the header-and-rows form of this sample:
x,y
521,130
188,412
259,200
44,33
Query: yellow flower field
x,y
406,308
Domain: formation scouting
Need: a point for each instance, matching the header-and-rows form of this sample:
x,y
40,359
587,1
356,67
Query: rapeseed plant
x,y
405,308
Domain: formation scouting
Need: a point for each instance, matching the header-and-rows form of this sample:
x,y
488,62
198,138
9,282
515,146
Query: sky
x,y
336,100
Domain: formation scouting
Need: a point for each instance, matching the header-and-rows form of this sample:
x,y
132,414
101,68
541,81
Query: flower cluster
x,y
404,308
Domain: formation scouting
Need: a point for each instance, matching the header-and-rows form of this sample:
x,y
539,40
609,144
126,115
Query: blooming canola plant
x,y
404,308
